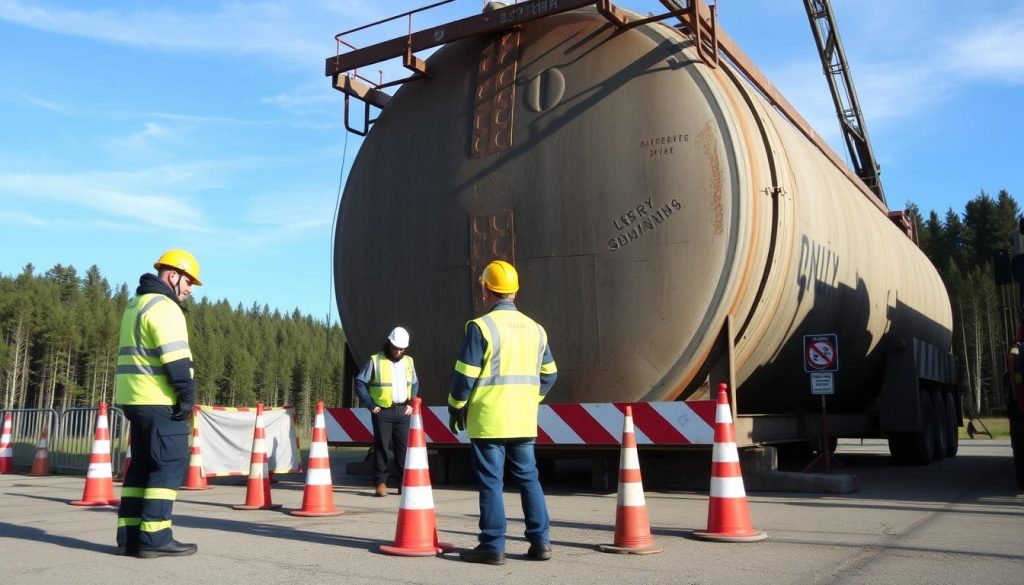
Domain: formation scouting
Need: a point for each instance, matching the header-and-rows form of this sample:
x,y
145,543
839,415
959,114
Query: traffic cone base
x,y
728,515
416,530
99,482
318,495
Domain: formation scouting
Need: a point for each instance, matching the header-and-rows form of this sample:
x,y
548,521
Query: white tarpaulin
x,y
226,436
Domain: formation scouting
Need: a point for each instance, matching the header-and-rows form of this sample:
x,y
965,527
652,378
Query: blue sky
x,y
130,127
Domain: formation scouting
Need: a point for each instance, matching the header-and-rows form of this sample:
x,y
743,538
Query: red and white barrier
x,y
593,424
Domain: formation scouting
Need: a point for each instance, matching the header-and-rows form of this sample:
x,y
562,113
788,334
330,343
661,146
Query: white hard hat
x,y
399,337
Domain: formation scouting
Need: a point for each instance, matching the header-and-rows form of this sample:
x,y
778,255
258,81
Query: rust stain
x,y
707,141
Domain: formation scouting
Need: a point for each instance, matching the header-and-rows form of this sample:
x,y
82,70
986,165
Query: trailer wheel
x,y
952,434
918,447
940,431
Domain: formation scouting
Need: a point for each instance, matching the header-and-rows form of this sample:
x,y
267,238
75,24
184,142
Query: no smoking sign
x,y
821,353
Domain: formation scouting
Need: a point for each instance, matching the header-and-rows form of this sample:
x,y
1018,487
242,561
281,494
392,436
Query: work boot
x,y
381,491
127,551
485,556
173,549
539,552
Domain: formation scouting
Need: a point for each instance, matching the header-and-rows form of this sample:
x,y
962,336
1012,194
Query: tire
x,y
952,434
922,449
900,447
940,430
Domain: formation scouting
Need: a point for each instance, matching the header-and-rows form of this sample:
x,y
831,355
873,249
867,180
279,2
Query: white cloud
x,y
20,97
21,218
116,196
147,142
282,31
993,51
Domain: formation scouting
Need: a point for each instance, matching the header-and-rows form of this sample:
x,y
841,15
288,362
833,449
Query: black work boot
x,y
173,549
130,550
539,552
483,555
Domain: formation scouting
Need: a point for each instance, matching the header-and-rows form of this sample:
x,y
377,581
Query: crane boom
x,y
844,96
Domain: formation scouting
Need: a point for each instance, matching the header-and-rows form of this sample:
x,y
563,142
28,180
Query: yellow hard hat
x,y
500,277
180,260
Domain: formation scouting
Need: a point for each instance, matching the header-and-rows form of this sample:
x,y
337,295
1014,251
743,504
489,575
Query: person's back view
x,y
503,372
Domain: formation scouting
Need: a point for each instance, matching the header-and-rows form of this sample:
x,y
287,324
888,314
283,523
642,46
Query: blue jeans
x,y
489,457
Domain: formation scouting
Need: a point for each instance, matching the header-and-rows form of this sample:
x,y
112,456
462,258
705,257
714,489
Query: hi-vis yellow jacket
x,y
153,333
504,371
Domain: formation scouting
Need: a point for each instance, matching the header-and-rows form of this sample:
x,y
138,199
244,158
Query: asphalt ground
x,y
957,521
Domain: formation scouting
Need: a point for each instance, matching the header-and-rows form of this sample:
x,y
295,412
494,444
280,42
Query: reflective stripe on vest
x,y
506,394
141,377
380,383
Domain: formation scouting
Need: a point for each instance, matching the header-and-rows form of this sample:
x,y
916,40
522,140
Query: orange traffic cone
x,y
728,516
127,461
6,451
41,463
99,483
416,533
257,494
196,479
632,526
318,497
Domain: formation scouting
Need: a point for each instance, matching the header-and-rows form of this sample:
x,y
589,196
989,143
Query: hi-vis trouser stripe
x,y
149,493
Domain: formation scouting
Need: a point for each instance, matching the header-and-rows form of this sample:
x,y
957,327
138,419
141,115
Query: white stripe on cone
x,y
631,494
416,458
100,470
256,470
6,452
727,487
723,414
417,497
725,453
318,451
318,476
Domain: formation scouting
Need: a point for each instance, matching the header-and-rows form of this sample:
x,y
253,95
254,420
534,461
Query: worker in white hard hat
x,y
386,385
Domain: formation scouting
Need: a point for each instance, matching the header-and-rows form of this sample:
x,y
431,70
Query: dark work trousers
x,y
1017,444
159,462
390,426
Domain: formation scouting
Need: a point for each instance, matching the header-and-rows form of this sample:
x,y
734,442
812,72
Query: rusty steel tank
x,y
646,199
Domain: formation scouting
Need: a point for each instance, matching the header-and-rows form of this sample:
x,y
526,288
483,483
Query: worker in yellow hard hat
x,y
156,389
503,372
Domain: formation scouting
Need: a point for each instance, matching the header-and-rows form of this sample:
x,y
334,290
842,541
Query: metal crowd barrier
x,y
71,436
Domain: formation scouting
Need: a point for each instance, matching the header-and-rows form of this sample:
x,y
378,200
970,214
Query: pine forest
x,y
59,330
59,345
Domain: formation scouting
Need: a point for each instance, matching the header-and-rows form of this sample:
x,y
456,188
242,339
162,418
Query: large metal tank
x,y
645,198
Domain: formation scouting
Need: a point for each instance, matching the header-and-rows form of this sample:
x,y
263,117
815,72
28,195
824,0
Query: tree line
x,y
963,246
59,330
59,345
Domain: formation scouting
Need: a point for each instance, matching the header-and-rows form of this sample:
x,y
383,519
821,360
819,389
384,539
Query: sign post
x,y
821,362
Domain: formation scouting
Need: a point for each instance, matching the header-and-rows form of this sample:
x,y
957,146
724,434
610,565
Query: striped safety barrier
x,y
587,424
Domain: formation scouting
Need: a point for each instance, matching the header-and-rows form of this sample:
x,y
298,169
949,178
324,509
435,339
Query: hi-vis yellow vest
x,y
153,333
380,384
504,401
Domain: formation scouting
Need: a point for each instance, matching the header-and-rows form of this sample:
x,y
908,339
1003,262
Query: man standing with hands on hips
x,y
386,385
504,371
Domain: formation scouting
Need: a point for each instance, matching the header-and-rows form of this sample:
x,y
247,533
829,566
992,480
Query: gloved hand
x,y
456,419
181,412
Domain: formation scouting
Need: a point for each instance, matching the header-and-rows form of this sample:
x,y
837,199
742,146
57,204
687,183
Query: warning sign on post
x,y
822,383
821,353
